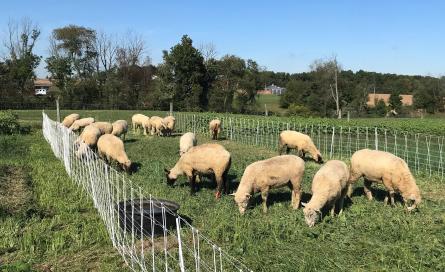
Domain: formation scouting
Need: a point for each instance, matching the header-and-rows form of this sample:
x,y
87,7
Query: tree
x,y
296,92
208,51
395,101
183,75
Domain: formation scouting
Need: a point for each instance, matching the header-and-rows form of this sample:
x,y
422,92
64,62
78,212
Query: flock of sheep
x,y
330,185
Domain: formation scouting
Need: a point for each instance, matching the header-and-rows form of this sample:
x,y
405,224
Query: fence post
x,y
332,142
178,232
58,109
257,132
171,108
231,129
376,139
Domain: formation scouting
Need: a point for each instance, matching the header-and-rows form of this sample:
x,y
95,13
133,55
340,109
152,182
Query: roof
x,y
407,99
42,82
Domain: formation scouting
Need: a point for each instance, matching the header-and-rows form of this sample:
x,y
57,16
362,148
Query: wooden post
x,y
265,110
348,116
171,108
58,109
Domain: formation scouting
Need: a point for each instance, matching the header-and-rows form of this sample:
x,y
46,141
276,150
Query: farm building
x,y
41,86
272,89
407,99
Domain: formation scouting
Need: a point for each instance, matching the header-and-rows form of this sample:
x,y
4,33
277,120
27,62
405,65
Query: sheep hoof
x,y
217,195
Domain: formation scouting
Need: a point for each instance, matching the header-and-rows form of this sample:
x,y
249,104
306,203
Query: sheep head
x,y
311,216
126,165
171,178
242,199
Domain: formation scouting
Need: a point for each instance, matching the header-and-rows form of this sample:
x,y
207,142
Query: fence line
x,y
423,153
148,234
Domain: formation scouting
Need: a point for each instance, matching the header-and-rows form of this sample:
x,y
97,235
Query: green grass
x,y
66,232
273,104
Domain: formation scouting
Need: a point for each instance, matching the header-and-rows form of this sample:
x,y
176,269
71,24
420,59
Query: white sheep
x,y
290,139
187,141
88,138
139,121
215,128
203,159
120,127
269,174
81,123
157,125
386,168
168,125
69,120
329,188
111,148
105,127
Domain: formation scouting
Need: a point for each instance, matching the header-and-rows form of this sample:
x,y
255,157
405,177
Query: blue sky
x,y
404,37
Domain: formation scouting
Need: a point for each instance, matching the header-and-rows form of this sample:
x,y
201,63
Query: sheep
x,y
110,148
290,139
386,168
187,141
203,159
81,123
268,174
69,120
329,187
215,128
120,127
88,138
139,120
157,125
105,127
169,125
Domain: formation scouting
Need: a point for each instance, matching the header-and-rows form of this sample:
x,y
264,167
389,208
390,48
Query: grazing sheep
x,y
290,139
138,121
88,138
169,125
329,187
105,127
269,174
386,168
215,128
157,125
110,148
69,120
81,123
203,159
187,141
120,127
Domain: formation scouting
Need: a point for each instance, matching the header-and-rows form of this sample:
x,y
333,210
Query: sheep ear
x,y
248,196
166,171
303,204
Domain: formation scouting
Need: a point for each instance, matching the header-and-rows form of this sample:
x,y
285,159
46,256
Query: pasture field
x,y
62,229
433,126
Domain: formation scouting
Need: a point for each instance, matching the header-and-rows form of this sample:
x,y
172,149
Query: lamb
x,y
88,138
81,123
187,141
69,120
157,125
110,148
203,159
290,139
120,127
105,127
215,128
169,125
392,171
329,187
268,174
139,120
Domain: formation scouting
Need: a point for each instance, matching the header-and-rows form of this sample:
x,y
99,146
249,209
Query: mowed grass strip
x,y
46,222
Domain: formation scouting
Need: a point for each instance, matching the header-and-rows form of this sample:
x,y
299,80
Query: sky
x,y
402,37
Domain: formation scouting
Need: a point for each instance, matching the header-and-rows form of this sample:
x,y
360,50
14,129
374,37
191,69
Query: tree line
x,y
88,66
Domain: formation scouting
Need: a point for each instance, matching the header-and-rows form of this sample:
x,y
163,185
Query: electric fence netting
x,y
424,154
148,234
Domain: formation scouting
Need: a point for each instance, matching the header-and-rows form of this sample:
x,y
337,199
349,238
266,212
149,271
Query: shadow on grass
x,y
131,140
377,193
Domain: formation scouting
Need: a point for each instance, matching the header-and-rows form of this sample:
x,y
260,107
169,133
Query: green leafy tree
x,y
395,101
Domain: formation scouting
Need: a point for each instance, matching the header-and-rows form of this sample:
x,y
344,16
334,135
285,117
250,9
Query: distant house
x,y
272,89
407,99
41,86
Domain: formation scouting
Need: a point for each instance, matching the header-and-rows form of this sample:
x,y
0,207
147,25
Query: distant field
x,y
65,232
273,104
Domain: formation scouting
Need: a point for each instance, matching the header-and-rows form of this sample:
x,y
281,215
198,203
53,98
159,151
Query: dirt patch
x,y
16,195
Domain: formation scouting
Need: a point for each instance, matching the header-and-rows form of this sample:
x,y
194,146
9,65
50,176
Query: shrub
x,y
299,110
9,123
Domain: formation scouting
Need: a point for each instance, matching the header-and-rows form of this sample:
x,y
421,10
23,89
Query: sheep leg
x,y
192,184
296,194
332,211
341,201
219,184
264,195
124,136
366,188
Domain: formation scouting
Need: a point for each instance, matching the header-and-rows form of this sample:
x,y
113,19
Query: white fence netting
x,y
148,234
424,153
